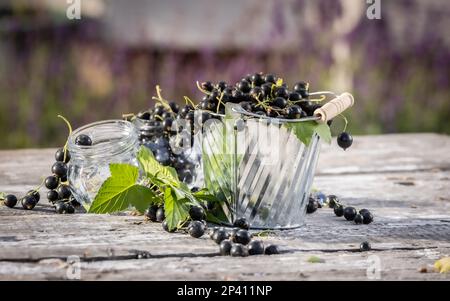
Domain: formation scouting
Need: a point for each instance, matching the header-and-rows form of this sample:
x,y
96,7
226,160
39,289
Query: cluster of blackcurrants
x,y
363,216
238,241
166,126
235,242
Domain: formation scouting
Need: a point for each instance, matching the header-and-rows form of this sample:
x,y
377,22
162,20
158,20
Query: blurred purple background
x,y
109,62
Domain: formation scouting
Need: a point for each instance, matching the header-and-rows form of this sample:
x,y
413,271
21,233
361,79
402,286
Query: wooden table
x,y
403,179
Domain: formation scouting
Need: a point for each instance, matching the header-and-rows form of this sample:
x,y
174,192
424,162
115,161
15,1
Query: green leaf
x,y
176,210
305,131
154,170
120,191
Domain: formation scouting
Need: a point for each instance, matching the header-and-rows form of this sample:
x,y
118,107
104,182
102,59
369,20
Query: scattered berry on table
x,y
219,235
61,207
165,226
349,213
365,246
358,219
196,229
70,209
367,216
10,200
238,250
28,202
345,140
255,247
52,195
225,247
312,205
271,250
332,200
339,210
242,237
150,213
160,215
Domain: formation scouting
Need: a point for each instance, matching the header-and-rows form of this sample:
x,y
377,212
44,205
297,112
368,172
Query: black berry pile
x,y
59,193
319,200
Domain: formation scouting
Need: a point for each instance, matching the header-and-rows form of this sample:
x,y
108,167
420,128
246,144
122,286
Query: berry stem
x,y
69,126
189,101
220,102
345,120
201,89
322,98
164,102
129,116
38,187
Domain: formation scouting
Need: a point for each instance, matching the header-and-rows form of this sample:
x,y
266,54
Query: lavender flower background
x,y
108,63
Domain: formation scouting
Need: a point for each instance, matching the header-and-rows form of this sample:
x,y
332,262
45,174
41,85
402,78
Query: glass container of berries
x,y
93,148
260,160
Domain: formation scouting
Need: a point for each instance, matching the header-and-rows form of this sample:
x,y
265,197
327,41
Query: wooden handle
x,y
334,107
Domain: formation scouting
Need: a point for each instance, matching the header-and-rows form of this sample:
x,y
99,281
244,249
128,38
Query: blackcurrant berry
x,y
61,208
300,86
150,213
266,90
241,223
294,112
270,78
10,200
246,105
141,115
196,229
312,205
345,140
73,201
51,182
238,250
186,176
167,124
365,246
219,235
59,169
367,216
349,213
28,202
35,194
83,140
242,237
70,209
280,102
333,201
52,195
63,178
222,85
185,110
165,226
255,247
159,110
197,213
59,155
257,79
174,106
271,250
256,92
160,215
207,86
339,210
358,219
64,191
294,96
244,86
282,92
225,247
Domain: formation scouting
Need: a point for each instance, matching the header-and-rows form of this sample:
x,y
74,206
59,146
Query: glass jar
x,y
113,141
259,169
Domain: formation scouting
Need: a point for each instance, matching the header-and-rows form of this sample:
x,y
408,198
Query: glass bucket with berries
x,y
262,166
93,148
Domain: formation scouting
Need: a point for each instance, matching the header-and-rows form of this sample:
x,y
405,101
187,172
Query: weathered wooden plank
x,y
403,179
